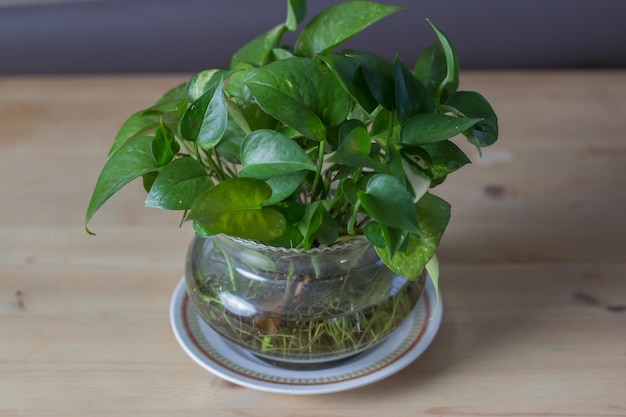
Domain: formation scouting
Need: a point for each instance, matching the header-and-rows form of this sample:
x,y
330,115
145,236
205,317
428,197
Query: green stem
x,y
230,169
212,165
219,161
389,137
231,269
318,171
355,213
184,144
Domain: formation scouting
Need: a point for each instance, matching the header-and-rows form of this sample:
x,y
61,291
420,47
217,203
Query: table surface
x,y
533,266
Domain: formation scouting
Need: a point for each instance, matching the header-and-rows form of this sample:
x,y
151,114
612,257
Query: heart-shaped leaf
x,y
337,24
235,207
136,125
387,200
419,182
411,96
284,185
257,50
472,104
296,12
174,95
132,160
178,185
205,81
348,70
354,149
205,121
267,153
434,214
444,157
379,77
164,146
374,234
451,81
431,67
301,93
433,127
144,122
318,224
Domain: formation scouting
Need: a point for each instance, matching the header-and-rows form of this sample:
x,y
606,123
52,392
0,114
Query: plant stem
x,y
219,161
212,165
318,171
355,213
389,136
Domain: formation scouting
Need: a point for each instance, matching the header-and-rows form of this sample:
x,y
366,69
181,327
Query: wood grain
x,y
533,266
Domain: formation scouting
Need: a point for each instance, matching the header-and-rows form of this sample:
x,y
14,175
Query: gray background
x,y
125,36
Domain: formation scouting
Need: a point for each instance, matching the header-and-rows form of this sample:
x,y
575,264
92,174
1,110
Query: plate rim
x,y
187,338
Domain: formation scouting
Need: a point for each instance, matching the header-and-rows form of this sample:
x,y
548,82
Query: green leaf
x,y
205,81
178,185
395,239
255,116
164,146
354,149
284,185
148,179
136,125
281,53
472,104
387,201
205,121
328,231
433,127
348,71
418,181
337,24
318,224
174,95
451,81
430,67
444,158
296,12
434,214
144,122
432,267
134,159
293,210
379,77
236,115
202,230
267,153
215,120
301,93
291,238
411,96
235,207
235,86
350,190
258,50
374,234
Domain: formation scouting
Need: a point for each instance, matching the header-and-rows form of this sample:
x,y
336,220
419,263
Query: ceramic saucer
x,y
238,366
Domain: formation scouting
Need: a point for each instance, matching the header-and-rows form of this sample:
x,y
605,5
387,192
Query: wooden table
x,y
533,266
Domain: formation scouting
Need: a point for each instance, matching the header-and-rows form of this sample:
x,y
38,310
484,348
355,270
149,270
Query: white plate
x,y
238,366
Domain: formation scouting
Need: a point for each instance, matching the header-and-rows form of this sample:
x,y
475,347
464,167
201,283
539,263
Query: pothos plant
x,y
305,145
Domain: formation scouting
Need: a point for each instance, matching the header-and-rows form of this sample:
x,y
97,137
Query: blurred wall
x,y
122,36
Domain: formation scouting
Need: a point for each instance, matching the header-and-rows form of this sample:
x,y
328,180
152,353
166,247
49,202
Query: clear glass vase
x,y
297,306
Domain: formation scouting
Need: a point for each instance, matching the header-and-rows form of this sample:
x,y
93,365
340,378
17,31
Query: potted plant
x,y
307,173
